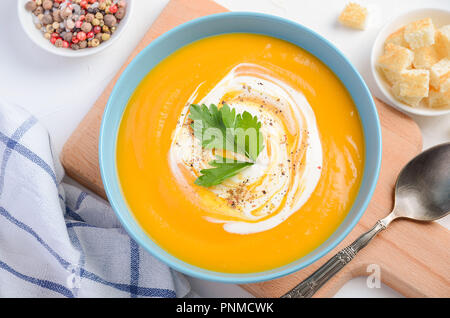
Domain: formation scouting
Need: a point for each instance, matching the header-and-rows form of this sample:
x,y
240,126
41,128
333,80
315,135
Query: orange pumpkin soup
x,y
289,202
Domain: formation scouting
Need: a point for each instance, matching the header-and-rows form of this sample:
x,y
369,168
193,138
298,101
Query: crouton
x,y
443,41
420,33
390,76
441,98
396,58
439,72
411,101
397,38
354,16
414,83
425,57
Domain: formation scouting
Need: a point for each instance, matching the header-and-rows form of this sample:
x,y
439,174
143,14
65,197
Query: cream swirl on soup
x,y
285,173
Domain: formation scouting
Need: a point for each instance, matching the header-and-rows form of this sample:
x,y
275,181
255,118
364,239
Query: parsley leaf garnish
x,y
222,170
211,129
248,135
224,129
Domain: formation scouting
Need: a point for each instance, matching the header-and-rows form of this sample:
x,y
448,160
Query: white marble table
x,y
59,91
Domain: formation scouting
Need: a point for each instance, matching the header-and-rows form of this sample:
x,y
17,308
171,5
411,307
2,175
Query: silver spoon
x,y
422,193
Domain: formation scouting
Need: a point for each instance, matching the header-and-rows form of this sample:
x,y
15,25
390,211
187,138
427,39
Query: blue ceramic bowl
x,y
229,23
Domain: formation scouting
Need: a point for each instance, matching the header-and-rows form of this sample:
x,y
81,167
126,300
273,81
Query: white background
x,y
59,91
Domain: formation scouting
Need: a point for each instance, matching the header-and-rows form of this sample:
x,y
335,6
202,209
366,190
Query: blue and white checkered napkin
x,y
56,240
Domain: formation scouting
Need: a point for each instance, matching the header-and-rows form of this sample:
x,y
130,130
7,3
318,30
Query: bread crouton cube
x,y
397,38
390,76
411,101
439,72
440,98
396,58
414,83
443,41
425,57
420,33
354,16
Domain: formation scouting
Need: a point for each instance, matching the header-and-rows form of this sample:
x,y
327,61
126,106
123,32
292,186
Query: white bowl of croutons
x,y
410,62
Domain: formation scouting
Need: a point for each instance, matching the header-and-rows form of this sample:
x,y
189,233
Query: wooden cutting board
x,y
413,257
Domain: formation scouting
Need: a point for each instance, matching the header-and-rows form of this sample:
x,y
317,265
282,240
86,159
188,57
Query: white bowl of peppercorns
x,y
74,28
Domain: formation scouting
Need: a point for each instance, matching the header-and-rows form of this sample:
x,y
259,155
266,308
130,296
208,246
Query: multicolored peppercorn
x,y
30,6
77,24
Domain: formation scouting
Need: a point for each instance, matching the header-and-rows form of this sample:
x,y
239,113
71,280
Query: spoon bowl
x,y
422,191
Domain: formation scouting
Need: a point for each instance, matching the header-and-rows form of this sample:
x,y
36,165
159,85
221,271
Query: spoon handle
x,y
312,284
